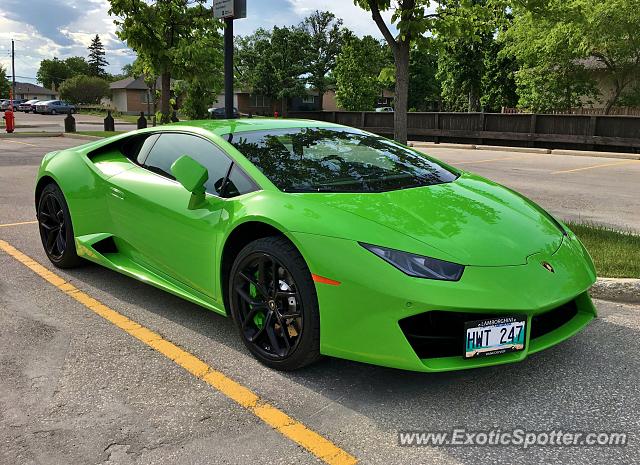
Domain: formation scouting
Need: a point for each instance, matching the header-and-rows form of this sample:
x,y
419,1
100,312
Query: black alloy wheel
x,y
274,304
56,231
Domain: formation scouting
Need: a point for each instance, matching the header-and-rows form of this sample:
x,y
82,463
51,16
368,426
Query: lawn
x,y
616,254
100,133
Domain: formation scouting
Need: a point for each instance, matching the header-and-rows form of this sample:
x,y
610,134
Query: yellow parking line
x,y
18,142
486,161
594,166
313,442
7,225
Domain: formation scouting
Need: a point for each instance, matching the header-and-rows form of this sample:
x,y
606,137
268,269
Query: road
x,y
76,388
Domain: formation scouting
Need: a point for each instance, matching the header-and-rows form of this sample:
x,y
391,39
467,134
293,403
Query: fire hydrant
x,y
10,119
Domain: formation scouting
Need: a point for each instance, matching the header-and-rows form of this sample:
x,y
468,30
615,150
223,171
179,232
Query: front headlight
x,y
417,265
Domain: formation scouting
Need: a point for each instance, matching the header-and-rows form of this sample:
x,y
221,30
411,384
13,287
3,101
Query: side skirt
x,y
125,265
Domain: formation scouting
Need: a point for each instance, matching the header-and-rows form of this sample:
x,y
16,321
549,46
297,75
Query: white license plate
x,y
494,336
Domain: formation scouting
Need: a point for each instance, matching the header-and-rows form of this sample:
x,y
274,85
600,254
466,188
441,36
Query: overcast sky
x,y
63,28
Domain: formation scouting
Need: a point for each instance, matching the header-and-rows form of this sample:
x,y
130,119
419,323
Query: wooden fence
x,y
585,132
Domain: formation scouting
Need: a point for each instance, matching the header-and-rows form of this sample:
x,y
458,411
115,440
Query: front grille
x,y
553,319
437,333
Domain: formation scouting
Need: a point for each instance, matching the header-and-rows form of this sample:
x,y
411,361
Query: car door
x,y
151,214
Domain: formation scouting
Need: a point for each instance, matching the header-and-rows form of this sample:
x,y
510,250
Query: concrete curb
x,y
500,148
623,290
81,136
18,135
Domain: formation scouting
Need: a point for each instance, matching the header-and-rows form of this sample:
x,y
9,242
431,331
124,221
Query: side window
x,y
170,147
238,183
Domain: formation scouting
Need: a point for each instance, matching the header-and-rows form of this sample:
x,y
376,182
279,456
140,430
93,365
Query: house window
x,y
309,99
145,97
256,100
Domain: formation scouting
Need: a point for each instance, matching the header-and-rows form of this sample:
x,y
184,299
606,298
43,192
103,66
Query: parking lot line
x,y
602,165
18,142
7,225
292,429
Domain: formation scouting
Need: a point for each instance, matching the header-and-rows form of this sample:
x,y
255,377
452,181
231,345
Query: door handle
x,y
117,193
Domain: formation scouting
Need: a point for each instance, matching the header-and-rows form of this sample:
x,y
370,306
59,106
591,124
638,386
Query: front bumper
x,y
362,318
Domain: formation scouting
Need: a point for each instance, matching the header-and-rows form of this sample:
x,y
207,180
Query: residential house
x,y
27,91
255,104
133,95
329,102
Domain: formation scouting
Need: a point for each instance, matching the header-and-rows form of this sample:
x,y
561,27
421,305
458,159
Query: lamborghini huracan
x,y
321,239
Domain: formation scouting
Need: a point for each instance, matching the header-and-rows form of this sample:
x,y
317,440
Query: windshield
x,y
336,160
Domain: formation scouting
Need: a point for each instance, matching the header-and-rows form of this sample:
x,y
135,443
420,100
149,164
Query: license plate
x,y
494,336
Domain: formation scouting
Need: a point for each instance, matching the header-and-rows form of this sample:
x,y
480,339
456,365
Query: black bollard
x,y
142,121
109,124
69,123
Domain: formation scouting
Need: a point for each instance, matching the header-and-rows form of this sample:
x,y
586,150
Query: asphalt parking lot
x,y
76,388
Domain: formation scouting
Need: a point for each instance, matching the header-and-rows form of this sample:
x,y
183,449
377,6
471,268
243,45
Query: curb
x,y
18,135
81,136
500,148
623,290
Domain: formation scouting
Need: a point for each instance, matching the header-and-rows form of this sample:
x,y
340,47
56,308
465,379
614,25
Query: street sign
x,y
235,9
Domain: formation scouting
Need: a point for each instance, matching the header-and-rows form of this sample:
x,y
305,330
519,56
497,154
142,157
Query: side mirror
x,y
192,175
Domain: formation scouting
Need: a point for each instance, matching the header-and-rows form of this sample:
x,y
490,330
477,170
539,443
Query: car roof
x,y
226,126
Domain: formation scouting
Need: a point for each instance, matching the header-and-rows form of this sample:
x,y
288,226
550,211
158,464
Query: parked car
x,y
54,107
384,109
28,105
219,113
5,103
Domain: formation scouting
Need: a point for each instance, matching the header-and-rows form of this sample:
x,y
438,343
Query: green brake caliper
x,y
258,318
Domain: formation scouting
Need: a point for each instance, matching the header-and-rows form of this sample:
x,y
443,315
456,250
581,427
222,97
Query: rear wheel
x,y
274,304
53,112
56,230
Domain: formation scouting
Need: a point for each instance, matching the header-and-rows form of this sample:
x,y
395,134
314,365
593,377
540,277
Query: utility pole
x,y
13,69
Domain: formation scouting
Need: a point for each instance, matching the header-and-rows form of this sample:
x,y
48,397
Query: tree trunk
x,y
165,79
284,106
320,96
612,101
401,56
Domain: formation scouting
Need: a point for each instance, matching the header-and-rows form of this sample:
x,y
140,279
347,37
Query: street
x,y
76,388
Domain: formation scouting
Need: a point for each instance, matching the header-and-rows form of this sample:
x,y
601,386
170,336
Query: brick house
x,y
132,95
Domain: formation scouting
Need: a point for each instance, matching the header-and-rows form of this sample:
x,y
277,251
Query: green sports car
x,y
320,239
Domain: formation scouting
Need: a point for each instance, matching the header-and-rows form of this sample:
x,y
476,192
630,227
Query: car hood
x,y
474,220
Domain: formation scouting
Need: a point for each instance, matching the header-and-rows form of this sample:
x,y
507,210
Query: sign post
x,y
228,10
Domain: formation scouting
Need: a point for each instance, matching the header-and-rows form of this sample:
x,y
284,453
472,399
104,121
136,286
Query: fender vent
x,y
106,246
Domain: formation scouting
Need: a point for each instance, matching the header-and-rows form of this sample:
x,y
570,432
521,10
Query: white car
x,y
384,109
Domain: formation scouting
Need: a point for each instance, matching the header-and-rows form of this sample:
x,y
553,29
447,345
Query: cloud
x,y
44,29
354,17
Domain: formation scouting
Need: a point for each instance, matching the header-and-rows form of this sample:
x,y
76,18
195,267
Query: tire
x,y
53,112
54,219
290,302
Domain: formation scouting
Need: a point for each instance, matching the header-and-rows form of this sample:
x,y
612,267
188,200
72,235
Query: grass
x,y
100,133
116,115
616,254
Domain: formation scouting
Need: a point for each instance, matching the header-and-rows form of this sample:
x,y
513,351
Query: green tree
x,y
273,63
424,87
84,89
325,40
178,38
54,72
97,61
357,73
498,82
551,41
5,85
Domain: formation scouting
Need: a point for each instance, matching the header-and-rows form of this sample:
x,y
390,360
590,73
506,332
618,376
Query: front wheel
x,y
56,230
274,304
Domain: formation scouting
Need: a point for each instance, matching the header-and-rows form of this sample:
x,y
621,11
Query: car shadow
x,y
588,383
